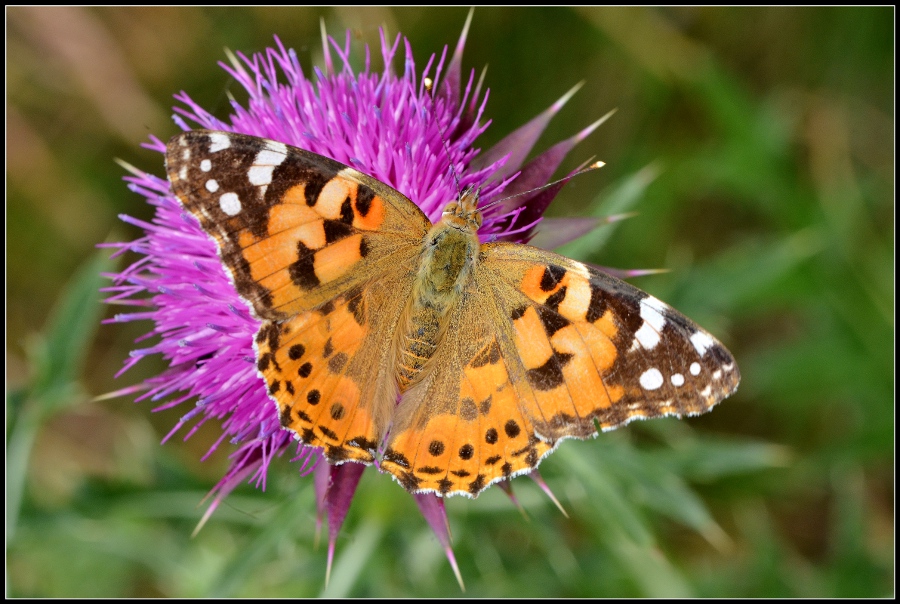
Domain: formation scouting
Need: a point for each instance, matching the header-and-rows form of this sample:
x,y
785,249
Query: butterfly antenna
x,y
594,166
429,86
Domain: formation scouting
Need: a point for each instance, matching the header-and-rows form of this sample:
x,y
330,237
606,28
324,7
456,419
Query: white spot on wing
x,y
695,368
581,270
350,173
218,142
230,204
702,342
647,336
279,148
266,161
654,310
211,185
677,379
260,175
651,379
206,165
653,313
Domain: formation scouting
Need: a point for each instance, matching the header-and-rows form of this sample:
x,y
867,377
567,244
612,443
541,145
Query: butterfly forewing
x,y
294,228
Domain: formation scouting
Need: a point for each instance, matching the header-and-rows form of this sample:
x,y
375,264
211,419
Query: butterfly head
x,y
464,214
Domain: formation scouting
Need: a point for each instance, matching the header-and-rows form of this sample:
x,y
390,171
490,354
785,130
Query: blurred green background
x,y
756,146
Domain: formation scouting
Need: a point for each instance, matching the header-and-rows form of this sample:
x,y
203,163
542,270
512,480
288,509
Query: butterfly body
x,y
448,255
450,363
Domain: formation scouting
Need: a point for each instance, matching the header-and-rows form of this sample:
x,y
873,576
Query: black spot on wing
x,y
397,458
549,375
485,405
285,416
467,409
364,196
347,212
409,481
328,433
337,362
361,442
431,470
488,354
356,306
552,321
553,274
363,247
312,171
314,188
477,485
597,305
327,308
336,454
303,270
269,333
554,300
335,230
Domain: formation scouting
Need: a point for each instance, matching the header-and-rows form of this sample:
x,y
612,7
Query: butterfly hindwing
x,y
463,426
328,369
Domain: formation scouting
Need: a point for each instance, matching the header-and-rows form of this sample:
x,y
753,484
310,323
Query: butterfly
x,y
450,363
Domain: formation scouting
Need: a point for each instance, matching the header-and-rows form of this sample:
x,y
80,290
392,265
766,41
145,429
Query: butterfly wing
x,y
543,349
313,246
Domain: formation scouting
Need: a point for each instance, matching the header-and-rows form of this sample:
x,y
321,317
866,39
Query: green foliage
x,y
756,146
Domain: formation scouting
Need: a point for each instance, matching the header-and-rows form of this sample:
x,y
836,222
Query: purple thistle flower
x,y
417,138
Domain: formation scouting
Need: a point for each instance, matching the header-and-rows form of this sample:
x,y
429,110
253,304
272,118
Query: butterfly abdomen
x,y
445,267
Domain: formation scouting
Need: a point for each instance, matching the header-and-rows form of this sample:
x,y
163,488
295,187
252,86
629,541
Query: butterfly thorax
x,y
449,252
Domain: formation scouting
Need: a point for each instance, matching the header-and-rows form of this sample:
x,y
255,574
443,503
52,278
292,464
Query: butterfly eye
x,y
451,208
477,218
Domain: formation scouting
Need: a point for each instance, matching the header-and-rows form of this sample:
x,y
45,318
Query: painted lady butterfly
x,y
496,351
